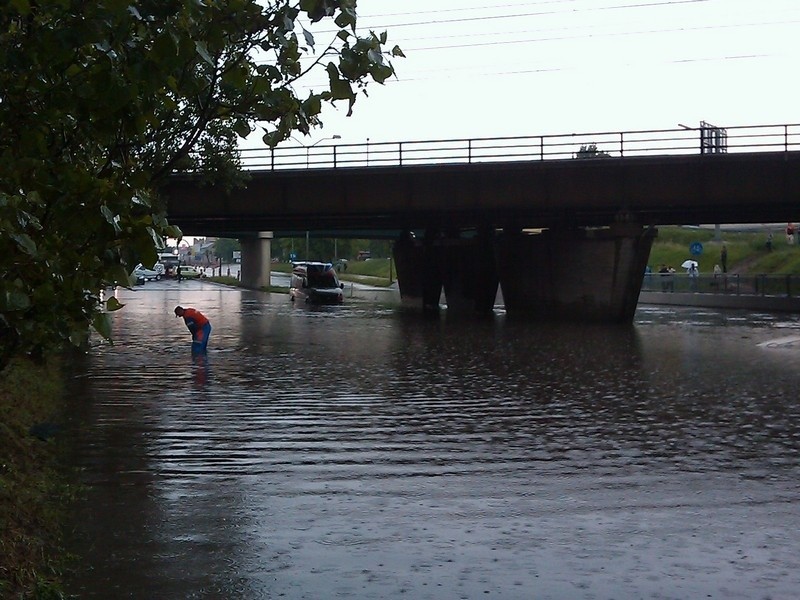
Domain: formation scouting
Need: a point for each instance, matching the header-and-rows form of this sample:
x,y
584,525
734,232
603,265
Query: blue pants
x,y
200,338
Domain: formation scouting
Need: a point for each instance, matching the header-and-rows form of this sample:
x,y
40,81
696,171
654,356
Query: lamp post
x,y
308,148
717,227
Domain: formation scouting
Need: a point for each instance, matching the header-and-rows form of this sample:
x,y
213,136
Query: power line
x,y
471,8
591,34
601,35
442,74
658,3
595,35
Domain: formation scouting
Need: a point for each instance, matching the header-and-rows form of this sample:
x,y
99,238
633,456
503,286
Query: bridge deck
x,y
684,189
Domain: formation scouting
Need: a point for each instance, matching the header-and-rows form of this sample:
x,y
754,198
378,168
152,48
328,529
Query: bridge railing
x,y
787,286
619,144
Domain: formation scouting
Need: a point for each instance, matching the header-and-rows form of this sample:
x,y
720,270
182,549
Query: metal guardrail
x,y
785,286
655,142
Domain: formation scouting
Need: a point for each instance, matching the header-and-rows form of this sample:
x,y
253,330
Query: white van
x,y
316,283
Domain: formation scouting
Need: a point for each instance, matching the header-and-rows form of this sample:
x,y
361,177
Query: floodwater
x,y
361,452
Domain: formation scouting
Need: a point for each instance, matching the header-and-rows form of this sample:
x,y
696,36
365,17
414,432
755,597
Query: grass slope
x,y
747,252
33,492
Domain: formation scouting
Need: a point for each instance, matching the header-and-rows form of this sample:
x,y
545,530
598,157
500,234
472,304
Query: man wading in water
x,y
198,325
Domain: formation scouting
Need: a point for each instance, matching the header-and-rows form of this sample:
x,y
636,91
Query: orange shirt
x,y
191,315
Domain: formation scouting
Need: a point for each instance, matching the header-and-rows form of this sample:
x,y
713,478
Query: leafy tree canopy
x,y
225,247
101,101
591,151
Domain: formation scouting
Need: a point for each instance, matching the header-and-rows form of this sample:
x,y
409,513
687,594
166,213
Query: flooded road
x,y
360,452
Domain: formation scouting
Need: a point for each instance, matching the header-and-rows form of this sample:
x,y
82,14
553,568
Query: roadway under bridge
x,y
594,217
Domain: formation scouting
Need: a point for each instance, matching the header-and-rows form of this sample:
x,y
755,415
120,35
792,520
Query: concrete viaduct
x,y
565,239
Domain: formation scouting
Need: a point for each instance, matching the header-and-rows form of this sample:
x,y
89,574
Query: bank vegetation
x,y
34,489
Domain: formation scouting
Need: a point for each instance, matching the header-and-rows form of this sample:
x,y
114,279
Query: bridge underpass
x,y
596,217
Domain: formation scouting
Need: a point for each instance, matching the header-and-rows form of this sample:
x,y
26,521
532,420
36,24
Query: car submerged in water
x,y
315,283
142,274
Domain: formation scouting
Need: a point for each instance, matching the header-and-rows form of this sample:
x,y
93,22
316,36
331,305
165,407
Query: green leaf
x,y
111,218
312,105
113,304
242,128
309,37
236,77
78,336
340,88
25,243
202,50
16,300
381,73
102,325
118,275
346,18
164,47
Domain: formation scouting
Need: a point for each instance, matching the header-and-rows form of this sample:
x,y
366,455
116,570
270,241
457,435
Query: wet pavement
x,y
363,452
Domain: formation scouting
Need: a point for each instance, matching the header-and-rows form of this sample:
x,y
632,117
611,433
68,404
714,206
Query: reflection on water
x,y
360,452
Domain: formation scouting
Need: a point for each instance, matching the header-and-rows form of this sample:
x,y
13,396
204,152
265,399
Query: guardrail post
x,y
272,159
621,144
334,157
541,147
785,138
400,153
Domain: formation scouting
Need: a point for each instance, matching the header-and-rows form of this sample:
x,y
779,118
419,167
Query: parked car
x,y
140,272
190,272
316,283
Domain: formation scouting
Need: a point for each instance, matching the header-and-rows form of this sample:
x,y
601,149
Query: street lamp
x,y
308,148
717,227
308,151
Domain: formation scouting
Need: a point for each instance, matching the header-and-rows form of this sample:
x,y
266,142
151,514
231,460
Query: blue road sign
x,y
696,248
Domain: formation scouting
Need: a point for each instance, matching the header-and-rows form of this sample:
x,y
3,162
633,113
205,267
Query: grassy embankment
x,y
747,252
34,494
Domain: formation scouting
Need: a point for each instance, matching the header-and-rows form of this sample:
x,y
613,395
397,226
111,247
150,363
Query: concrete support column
x,y
418,275
575,274
463,267
256,260
469,274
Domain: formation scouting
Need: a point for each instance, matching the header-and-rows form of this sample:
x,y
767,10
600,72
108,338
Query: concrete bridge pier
x,y
256,260
575,274
463,267
469,274
418,274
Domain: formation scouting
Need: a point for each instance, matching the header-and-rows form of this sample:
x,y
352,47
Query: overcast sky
x,y
512,67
